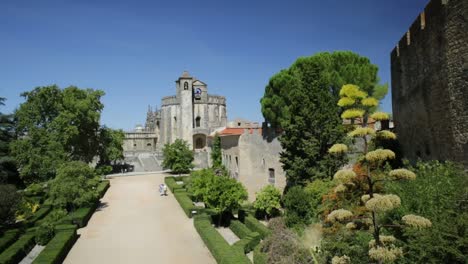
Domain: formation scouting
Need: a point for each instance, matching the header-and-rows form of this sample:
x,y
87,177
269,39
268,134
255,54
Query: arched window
x,y
199,143
197,121
148,145
185,85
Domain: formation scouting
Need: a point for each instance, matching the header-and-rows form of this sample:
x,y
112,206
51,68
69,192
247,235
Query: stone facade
x,y
430,84
192,114
251,154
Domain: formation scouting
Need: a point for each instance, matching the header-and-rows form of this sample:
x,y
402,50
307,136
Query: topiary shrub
x,y
239,229
58,248
18,250
253,224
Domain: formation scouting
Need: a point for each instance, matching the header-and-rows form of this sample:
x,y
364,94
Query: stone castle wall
x,y
430,83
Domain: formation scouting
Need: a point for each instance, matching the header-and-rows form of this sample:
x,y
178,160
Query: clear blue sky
x,y
135,50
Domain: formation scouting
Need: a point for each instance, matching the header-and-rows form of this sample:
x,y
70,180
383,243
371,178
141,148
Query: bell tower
x,y
184,87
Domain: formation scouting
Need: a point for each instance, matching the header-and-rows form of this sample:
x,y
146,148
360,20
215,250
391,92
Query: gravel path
x,y
32,254
136,225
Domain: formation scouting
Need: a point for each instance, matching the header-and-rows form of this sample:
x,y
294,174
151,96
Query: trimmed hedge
x,y
102,188
82,215
253,224
172,184
41,213
185,203
248,243
18,250
8,238
258,256
239,229
219,248
57,249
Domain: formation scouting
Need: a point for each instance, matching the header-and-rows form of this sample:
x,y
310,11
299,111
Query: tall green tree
x,y
302,101
54,126
216,156
74,186
8,170
110,145
178,157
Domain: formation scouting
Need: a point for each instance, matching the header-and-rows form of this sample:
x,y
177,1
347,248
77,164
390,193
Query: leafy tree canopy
x,y
268,200
9,201
54,126
110,145
178,157
221,193
302,101
8,170
74,186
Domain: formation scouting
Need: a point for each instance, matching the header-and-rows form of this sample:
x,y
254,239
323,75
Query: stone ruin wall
x,y
430,84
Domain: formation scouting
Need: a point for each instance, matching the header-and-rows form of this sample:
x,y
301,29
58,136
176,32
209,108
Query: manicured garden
x,y
246,227
43,227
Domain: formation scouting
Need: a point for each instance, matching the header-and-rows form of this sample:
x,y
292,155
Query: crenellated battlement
x,y
431,17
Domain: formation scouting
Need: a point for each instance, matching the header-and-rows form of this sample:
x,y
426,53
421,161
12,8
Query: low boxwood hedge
x,y
248,243
102,188
253,224
18,250
258,256
81,216
57,249
38,215
172,184
8,238
239,229
185,202
219,248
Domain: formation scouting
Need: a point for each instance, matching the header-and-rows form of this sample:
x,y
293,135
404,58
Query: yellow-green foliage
x,y
346,101
344,176
402,174
383,203
339,188
416,221
370,102
384,254
361,132
341,260
339,215
338,149
352,91
380,116
379,155
386,240
352,113
385,134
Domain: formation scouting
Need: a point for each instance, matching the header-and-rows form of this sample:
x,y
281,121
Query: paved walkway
x,y
136,225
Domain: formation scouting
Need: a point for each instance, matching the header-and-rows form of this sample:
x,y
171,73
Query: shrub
x,y
298,207
259,257
102,188
268,201
58,248
18,250
8,238
253,224
9,201
44,233
239,229
185,203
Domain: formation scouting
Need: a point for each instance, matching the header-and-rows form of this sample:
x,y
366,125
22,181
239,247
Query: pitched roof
x,y
238,131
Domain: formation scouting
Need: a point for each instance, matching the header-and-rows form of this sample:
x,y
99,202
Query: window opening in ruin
x,y
237,162
239,124
197,121
271,176
157,124
148,145
185,85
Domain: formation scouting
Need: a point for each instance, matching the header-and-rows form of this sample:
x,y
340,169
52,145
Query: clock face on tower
x,y
198,93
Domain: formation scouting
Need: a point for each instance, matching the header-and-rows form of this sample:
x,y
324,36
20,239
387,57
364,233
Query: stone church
x,y
191,114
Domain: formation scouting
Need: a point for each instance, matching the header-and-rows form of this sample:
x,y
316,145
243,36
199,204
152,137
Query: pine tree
x,y
359,108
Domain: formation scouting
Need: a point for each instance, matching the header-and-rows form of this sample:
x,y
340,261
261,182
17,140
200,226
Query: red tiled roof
x,y
238,131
